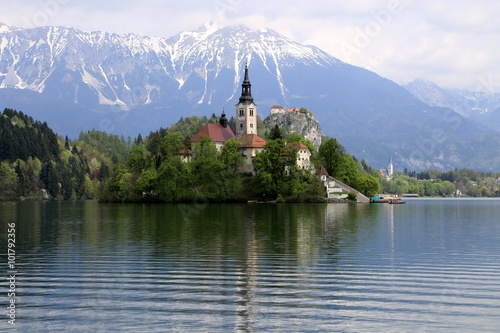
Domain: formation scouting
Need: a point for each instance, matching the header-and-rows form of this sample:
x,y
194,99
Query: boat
x,y
386,199
396,201
262,202
377,200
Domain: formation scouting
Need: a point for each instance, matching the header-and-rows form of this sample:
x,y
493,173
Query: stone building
x,y
246,131
246,110
277,109
303,155
219,133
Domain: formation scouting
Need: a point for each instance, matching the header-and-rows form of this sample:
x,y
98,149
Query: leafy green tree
x,y
230,178
448,188
162,148
294,137
118,187
139,158
8,182
272,166
147,182
347,170
330,156
368,185
175,181
206,168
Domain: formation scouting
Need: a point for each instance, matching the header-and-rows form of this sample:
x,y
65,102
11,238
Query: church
x,y
246,131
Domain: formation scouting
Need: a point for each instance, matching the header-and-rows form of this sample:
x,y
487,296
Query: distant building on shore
x,y
278,109
389,172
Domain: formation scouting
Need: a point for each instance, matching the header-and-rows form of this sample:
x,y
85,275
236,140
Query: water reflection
x,y
257,267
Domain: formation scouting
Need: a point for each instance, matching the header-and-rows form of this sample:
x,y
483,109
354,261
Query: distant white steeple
x,y
390,168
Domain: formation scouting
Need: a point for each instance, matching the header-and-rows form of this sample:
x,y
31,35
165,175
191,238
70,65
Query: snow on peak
x,y
7,28
115,64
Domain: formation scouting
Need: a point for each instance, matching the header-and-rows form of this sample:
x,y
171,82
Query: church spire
x,y
246,89
223,120
390,168
246,110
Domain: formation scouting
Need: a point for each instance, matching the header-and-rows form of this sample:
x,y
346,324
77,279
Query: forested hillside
x,y
37,164
435,183
160,168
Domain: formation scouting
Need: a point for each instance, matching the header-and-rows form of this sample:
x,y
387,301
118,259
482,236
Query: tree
x,y
330,156
174,181
117,188
338,163
347,170
103,171
50,177
147,182
206,168
368,185
66,143
448,188
275,133
8,182
272,166
138,140
231,159
139,158
294,137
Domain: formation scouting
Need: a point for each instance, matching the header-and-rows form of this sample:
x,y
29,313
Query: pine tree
x,y
275,133
66,143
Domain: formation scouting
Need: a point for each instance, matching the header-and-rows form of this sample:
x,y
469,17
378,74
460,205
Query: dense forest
x,y
451,183
37,164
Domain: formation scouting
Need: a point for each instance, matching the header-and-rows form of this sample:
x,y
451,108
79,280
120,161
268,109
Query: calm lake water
x,y
430,265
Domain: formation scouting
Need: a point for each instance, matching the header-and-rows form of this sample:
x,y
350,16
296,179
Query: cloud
x,y
451,42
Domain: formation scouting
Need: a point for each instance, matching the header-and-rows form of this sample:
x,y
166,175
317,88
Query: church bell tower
x,y
246,110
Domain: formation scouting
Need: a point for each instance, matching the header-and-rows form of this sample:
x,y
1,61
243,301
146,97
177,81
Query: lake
x,y
429,265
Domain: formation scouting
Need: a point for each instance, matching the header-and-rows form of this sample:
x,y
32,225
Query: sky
x,y
453,43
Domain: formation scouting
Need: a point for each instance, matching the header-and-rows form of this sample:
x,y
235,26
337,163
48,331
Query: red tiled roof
x,y
251,141
277,107
322,171
297,145
216,132
185,152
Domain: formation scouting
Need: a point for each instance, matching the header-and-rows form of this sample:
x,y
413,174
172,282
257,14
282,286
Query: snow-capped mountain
x,y
77,80
130,70
480,106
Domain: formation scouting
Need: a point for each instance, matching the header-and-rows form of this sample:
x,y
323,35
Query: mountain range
x,y
130,84
483,107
